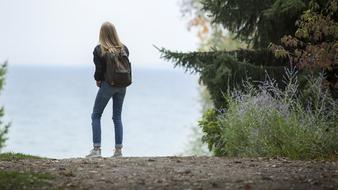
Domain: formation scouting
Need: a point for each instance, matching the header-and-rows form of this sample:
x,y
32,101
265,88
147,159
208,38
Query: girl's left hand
x,y
98,84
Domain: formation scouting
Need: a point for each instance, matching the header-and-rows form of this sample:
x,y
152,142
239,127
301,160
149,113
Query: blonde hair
x,y
109,40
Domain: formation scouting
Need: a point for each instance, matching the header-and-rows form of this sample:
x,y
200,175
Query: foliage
x,y
25,180
3,127
272,118
258,22
314,45
222,71
195,144
198,19
219,39
269,121
205,98
16,156
211,36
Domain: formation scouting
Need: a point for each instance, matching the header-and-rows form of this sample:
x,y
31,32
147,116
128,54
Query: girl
x,y
108,43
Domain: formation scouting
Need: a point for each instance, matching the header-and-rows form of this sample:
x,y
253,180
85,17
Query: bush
x,y
267,121
3,127
3,131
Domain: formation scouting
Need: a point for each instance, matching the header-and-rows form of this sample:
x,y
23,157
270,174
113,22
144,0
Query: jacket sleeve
x,y
126,49
99,67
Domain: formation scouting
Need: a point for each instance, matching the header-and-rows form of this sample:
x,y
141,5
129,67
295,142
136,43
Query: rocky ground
x,y
182,173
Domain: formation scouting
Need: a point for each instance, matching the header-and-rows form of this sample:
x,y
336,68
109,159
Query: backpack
x,y
118,69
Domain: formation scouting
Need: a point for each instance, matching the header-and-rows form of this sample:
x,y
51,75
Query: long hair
x,y
109,40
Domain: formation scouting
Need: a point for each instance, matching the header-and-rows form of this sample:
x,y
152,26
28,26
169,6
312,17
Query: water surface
x,y
50,108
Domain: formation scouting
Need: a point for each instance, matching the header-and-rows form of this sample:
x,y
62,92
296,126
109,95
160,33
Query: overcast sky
x,y
66,31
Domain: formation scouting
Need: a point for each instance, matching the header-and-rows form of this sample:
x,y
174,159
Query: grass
x,y
10,156
24,180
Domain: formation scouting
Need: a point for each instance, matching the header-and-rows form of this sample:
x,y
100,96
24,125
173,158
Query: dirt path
x,y
183,173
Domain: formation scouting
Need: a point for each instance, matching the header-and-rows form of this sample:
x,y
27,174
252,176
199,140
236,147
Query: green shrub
x,y
268,121
3,131
3,127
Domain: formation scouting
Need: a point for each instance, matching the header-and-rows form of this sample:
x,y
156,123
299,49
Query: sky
x,y
65,32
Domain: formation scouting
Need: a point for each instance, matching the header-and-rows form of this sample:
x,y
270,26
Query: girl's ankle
x,y
97,148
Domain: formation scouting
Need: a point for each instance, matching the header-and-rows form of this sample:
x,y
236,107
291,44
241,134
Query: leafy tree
x,y
314,46
211,35
3,127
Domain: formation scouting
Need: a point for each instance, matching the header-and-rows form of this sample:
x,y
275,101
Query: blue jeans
x,y
102,98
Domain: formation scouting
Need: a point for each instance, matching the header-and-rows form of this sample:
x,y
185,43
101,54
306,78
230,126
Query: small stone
x,y
315,183
70,185
266,178
247,187
68,173
214,184
309,180
85,162
184,171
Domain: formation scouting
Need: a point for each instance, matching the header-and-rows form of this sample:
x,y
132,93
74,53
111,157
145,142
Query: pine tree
x,y
222,71
258,22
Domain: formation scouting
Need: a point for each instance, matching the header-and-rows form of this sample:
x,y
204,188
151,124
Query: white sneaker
x,y
118,152
94,153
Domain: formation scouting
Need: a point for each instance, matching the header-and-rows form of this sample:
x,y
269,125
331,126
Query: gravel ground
x,y
183,173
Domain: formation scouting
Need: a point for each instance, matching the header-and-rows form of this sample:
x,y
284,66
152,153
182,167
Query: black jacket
x,y
100,63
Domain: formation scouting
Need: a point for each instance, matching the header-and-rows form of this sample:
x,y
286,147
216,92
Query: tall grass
x,y
264,120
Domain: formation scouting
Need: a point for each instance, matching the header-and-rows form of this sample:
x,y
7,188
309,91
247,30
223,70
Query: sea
x,y
49,109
